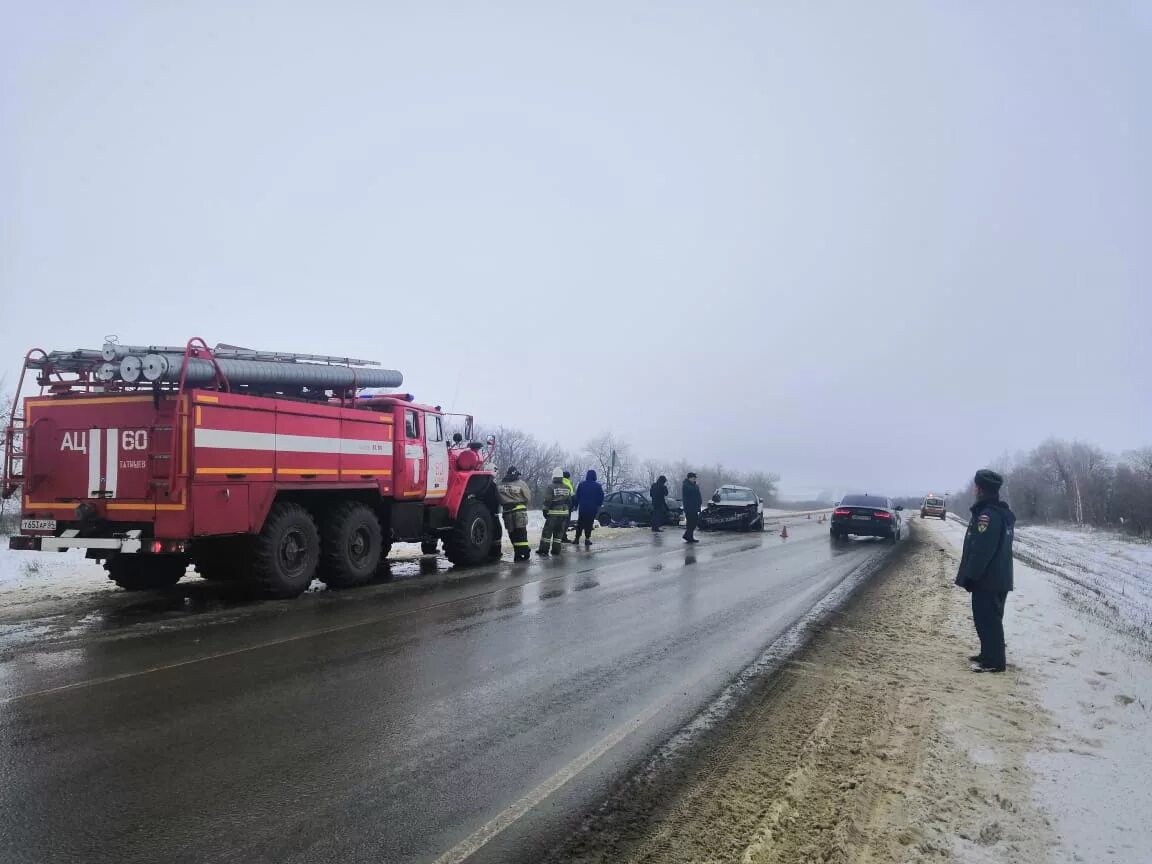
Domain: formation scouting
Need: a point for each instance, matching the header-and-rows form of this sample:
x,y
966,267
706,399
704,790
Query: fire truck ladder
x,y
14,434
177,472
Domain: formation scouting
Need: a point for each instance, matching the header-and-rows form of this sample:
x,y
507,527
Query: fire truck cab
x,y
260,467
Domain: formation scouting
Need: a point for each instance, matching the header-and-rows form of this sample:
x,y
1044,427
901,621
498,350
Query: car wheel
x,y
605,519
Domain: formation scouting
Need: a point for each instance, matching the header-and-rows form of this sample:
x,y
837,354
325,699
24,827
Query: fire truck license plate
x,y
37,524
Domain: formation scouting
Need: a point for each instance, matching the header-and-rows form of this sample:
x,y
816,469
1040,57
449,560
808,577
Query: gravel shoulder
x,y
875,743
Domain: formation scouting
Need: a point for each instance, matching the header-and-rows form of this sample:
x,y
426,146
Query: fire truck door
x,y
413,475
437,456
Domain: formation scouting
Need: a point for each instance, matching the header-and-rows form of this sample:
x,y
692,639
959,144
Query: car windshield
x,y
735,496
864,501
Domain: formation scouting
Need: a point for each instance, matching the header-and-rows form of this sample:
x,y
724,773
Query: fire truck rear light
x,y
161,547
23,542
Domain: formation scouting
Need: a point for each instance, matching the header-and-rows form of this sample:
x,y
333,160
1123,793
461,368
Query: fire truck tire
x,y
286,552
350,546
145,572
470,541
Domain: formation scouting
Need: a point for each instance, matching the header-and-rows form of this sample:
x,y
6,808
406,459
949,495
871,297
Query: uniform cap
x,y
557,473
988,479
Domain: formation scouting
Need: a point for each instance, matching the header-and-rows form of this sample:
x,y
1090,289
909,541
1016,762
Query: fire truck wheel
x,y
286,552
470,541
350,546
145,572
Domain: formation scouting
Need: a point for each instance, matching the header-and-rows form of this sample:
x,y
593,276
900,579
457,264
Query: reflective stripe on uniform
x,y
525,543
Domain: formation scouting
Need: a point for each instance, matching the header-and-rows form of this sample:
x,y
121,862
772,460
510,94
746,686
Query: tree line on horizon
x,y
616,464
1074,482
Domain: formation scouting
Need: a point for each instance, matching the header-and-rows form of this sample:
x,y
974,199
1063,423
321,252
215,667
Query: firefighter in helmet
x,y
572,501
514,496
557,506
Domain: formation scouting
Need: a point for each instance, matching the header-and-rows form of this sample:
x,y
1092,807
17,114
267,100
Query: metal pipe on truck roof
x,y
115,351
166,367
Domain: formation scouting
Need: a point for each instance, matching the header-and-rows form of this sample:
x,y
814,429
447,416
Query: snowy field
x,y
1077,629
1103,573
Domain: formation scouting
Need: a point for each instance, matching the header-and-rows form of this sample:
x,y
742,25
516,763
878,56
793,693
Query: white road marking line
x,y
479,838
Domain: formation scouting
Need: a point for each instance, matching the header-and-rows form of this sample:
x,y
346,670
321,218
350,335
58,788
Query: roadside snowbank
x,y
1101,573
1077,628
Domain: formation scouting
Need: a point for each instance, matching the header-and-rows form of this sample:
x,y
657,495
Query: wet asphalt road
x,y
408,721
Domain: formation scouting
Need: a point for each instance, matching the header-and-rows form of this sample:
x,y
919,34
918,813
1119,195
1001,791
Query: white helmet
x,y
557,473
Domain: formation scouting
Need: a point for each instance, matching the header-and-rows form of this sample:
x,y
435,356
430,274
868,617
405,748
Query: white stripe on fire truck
x,y
93,461
112,474
227,439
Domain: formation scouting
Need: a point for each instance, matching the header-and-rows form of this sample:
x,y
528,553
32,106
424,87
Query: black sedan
x,y
635,508
733,508
867,516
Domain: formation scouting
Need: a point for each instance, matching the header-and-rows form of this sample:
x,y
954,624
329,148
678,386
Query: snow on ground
x,y
1103,573
1077,628
49,573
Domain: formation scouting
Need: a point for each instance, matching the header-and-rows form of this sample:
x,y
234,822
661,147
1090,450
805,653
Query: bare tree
x,y
611,456
649,471
7,409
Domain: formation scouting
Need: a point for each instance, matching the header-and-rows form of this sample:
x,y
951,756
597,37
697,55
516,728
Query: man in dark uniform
x,y
690,496
986,568
659,495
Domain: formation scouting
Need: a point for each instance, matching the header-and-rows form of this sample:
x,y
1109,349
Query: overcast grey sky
x,y
865,245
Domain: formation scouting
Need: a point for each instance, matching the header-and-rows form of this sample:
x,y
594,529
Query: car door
x,y
614,507
633,507
437,450
411,479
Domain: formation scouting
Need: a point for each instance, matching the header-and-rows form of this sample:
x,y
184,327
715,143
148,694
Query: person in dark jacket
x,y
572,489
692,500
589,499
659,494
986,568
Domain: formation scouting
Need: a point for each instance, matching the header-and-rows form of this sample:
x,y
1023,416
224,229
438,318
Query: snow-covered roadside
x,y
1076,633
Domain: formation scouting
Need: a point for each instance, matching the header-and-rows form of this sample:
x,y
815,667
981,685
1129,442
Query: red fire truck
x,y
258,466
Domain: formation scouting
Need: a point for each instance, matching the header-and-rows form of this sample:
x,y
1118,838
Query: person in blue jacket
x,y
589,498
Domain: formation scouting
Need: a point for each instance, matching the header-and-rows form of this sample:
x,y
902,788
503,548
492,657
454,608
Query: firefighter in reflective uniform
x,y
514,496
557,506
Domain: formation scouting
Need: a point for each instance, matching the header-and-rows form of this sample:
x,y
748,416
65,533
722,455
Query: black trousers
x,y
988,616
658,518
691,520
584,524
